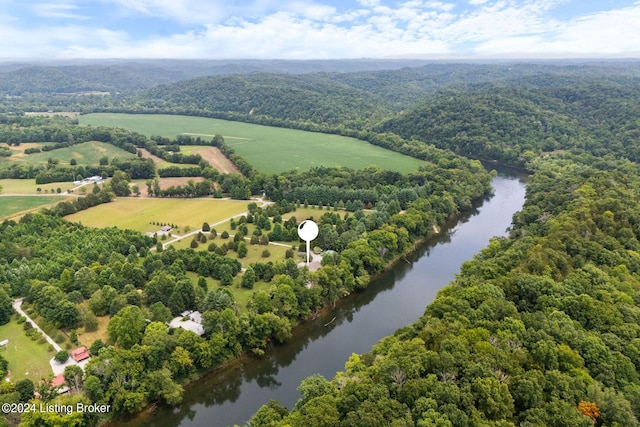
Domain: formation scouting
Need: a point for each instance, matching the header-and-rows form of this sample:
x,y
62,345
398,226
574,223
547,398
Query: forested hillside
x,y
515,121
541,328
296,98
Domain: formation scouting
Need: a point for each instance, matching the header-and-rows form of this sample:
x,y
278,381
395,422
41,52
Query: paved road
x,y
56,367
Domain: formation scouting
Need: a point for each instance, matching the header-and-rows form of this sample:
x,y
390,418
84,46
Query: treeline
x,y
540,328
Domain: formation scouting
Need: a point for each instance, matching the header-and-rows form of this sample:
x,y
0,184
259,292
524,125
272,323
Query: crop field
x,y
27,358
15,205
138,213
85,154
268,149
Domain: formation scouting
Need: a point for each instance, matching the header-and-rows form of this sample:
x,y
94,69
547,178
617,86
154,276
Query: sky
x,y
319,29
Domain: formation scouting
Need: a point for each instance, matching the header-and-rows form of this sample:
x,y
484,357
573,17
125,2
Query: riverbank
x,y
230,394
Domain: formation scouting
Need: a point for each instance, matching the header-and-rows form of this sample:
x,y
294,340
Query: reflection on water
x,y
232,394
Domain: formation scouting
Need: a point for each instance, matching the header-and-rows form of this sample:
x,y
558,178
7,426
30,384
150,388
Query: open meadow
x,y
268,149
29,186
27,358
139,213
11,206
85,154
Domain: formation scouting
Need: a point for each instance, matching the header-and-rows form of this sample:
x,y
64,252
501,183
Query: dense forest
x,y
541,328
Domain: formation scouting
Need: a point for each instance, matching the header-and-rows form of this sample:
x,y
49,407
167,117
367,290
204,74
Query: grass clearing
x,y
254,253
29,186
11,206
269,149
23,186
138,213
85,154
241,295
27,358
87,338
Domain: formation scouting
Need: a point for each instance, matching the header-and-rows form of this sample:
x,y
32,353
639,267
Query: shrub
x,y
266,253
61,357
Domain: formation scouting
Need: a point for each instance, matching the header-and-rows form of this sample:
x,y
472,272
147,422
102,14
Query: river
x,y
232,394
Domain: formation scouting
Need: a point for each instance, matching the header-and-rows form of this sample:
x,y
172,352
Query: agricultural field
x,y
139,213
27,358
268,149
11,206
85,154
29,186
213,156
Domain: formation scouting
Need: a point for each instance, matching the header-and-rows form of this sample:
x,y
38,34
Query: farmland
x,y
85,154
14,205
268,149
138,213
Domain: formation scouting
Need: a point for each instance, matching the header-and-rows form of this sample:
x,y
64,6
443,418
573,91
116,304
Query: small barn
x,y
80,354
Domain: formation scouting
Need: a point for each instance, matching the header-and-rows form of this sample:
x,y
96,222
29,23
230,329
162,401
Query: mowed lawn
x,y
138,213
268,149
27,358
14,205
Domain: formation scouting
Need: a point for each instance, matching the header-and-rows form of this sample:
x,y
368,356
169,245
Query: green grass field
x,y
22,186
85,154
14,205
27,358
254,253
138,213
241,295
29,186
268,149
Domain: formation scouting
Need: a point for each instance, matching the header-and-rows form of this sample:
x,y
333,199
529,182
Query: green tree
x,y
6,307
62,356
90,322
126,328
73,376
248,278
242,249
162,388
25,388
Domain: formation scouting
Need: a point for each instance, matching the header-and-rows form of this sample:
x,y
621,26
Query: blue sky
x,y
319,29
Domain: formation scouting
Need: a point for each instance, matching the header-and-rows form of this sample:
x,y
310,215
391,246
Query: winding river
x,y
231,395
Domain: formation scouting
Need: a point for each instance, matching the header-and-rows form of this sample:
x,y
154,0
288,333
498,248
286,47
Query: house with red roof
x,y
80,354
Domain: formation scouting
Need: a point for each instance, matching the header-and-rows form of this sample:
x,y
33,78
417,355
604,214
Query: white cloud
x,y
477,2
188,11
58,10
310,29
603,33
